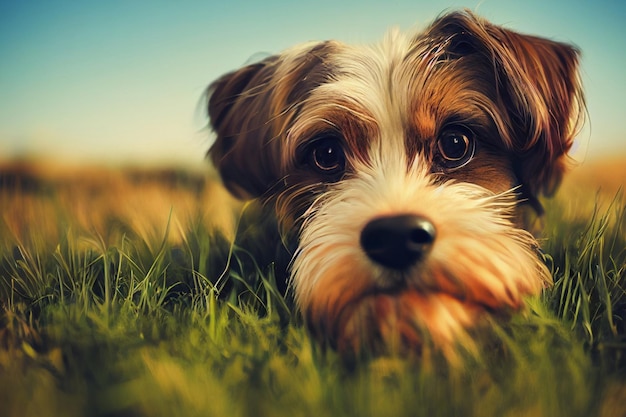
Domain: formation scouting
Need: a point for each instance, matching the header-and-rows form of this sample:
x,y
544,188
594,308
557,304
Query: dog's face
x,y
405,166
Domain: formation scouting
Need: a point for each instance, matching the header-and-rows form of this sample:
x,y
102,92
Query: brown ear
x,y
250,110
537,84
238,109
543,86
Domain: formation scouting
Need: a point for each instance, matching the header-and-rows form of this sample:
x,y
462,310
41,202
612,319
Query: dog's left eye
x,y
456,147
327,157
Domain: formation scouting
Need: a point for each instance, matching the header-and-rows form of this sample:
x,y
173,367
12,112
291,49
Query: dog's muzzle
x,y
398,242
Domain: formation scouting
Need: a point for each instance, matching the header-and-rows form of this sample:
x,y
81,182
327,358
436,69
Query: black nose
x,y
397,242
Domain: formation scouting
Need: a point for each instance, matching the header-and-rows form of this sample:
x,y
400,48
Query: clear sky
x,y
122,80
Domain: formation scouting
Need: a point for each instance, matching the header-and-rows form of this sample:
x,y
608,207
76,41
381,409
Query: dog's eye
x,y
456,147
326,156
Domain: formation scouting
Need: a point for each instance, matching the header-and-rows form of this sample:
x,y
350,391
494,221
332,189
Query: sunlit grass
x,y
116,301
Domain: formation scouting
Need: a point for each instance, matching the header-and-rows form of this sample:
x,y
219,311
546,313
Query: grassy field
x,y
121,294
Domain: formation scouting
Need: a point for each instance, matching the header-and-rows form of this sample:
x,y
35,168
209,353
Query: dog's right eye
x,y
326,156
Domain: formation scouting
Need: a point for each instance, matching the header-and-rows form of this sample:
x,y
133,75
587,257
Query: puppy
x,y
406,169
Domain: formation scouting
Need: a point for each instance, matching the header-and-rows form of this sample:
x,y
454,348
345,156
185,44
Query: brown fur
x,y
518,98
530,85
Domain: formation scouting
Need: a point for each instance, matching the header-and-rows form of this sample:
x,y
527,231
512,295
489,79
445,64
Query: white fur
x,y
478,258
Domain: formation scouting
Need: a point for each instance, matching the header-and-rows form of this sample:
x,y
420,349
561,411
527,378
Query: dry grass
x,y
593,182
45,199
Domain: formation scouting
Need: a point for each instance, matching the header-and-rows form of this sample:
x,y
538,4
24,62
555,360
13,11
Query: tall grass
x,y
589,267
110,315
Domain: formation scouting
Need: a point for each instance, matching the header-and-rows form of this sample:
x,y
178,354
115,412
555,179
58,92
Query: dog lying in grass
x,y
408,170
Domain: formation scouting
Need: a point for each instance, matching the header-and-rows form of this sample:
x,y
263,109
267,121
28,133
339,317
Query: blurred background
x,y
122,81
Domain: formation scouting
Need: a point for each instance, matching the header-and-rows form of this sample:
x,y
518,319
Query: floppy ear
x,y
538,85
238,109
250,110
542,85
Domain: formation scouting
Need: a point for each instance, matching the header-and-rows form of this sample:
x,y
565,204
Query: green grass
x,y
174,320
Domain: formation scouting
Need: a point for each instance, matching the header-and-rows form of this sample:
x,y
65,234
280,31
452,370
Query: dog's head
x,y
405,166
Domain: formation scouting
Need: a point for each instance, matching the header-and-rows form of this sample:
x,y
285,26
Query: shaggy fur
x,y
406,167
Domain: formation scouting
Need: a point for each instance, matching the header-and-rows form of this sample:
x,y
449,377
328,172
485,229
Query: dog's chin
x,y
405,321
359,307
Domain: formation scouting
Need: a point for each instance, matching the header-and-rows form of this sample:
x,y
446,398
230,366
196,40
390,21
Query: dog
x,y
407,169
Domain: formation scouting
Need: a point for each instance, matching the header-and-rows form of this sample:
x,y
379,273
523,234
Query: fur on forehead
x,y
530,89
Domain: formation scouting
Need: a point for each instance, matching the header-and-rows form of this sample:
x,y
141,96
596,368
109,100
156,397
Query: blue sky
x,y
122,80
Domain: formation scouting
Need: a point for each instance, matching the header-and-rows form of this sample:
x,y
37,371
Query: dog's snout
x,y
397,242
